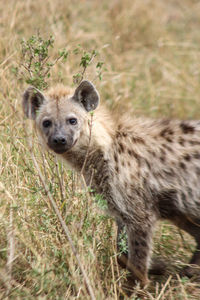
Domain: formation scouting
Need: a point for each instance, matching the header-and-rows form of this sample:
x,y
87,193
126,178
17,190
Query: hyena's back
x,y
163,158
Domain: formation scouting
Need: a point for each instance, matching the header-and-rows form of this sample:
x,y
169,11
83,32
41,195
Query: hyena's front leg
x,y
139,252
158,265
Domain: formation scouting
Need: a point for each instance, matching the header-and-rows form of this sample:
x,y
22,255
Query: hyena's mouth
x,y
60,149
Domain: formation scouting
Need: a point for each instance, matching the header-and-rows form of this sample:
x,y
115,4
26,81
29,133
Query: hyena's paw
x,y
132,285
158,265
191,271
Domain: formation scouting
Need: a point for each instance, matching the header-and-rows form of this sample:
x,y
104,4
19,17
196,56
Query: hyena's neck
x,y
90,155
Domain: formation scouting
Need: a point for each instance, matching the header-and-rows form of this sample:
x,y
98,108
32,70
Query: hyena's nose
x,y
60,140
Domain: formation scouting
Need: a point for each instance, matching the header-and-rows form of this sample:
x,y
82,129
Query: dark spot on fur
x,y
194,143
198,171
163,132
165,122
130,152
169,139
196,155
143,243
121,148
119,127
123,164
137,139
137,243
117,169
117,134
124,134
186,128
148,164
144,235
105,178
152,153
167,147
182,165
166,132
183,197
162,158
140,253
134,154
187,157
163,145
181,141
144,182
129,164
115,158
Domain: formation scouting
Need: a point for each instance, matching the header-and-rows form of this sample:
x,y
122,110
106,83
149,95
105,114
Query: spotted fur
x,y
146,169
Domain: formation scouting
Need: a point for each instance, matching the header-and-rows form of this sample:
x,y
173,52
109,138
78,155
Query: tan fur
x,y
59,92
146,169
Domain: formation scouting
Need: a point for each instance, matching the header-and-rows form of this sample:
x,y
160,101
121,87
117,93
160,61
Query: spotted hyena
x,y
146,169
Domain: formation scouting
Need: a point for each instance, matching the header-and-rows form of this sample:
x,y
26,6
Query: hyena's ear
x,y
87,95
31,101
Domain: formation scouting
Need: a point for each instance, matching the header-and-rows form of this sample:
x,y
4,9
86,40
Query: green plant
x,y
86,60
123,242
36,62
102,203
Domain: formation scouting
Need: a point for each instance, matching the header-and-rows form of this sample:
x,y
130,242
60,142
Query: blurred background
x,y
151,55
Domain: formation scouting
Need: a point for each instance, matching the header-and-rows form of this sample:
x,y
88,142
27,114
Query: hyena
x,y
145,169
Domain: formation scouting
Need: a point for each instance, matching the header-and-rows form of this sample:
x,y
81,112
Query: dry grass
x,y
152,53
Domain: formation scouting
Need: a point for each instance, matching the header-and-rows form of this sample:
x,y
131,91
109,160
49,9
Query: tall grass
x,y
152,55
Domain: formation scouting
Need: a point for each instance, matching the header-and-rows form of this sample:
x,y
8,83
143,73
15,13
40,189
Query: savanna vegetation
x,y
144,57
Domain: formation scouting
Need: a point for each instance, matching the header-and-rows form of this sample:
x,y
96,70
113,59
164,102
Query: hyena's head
x,y
60,119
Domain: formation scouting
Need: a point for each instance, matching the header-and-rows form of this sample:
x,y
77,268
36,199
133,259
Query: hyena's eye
x,y
47,123
73,121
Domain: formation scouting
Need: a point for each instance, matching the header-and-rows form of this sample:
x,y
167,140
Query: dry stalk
x,y
11,248
11,242
113,276
59,181
185,244
164,288
184,294
13,283
64,226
